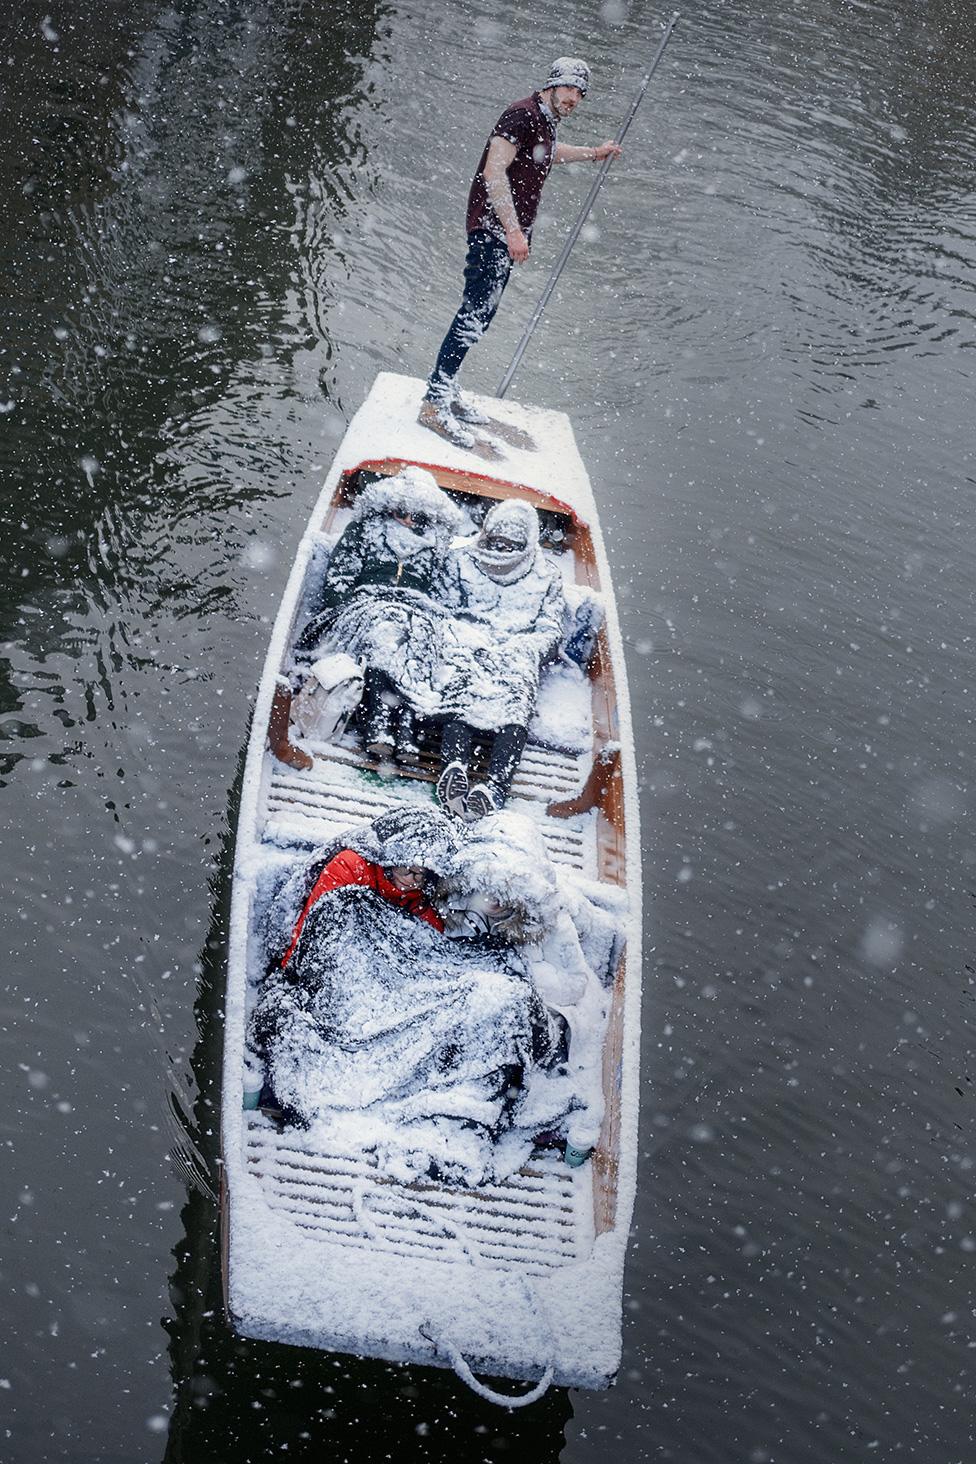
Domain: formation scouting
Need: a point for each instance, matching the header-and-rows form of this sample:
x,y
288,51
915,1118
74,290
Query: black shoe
x,y
380,748
452,789
378,732
407,750
482,800
270,1105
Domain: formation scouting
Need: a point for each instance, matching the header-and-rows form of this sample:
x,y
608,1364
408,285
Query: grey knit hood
x,y
518,521
418,837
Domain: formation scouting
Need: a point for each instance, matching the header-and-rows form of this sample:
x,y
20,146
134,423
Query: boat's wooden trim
x,y
606,1155
279,727
595,791
462,482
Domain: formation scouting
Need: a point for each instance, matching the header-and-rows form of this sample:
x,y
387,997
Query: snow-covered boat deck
x,y
320,1248
537,1220
308,808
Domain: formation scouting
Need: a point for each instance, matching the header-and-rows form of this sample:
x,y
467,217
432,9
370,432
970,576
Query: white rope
x,y
503,1400
366,1220
444,1345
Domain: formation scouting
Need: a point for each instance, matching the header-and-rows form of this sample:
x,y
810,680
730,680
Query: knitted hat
x,y
568,71
411,836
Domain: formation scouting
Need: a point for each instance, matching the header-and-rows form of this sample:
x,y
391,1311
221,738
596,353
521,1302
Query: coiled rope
x,y
444,1345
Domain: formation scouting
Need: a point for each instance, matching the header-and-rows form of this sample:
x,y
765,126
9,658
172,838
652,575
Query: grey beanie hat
x,y
568,71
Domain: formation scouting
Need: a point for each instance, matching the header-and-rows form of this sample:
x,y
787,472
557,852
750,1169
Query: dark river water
x,y
220,219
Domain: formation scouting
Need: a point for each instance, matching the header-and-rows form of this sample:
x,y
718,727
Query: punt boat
x,y
520,1279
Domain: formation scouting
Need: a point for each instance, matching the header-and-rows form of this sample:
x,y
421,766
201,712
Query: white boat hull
x,y
319,1249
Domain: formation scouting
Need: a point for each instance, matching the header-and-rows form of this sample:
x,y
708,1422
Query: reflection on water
x,y
146,386
220,219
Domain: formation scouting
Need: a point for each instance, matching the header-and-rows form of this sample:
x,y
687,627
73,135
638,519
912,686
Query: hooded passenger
x,y
501,576
500,583
502,889
502,885
399,532
399,856
380,1017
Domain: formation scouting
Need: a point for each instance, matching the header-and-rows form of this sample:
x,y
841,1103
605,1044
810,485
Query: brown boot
x,y
278,729
442,420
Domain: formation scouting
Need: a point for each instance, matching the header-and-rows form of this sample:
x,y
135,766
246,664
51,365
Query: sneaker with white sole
x,y
452,789
440,419
481,801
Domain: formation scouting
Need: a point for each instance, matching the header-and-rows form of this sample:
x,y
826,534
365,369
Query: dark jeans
x,y
505,750
378,705
486,273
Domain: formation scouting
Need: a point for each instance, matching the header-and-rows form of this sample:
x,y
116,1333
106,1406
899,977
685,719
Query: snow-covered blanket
x,y
469,641
389,1015
444,1057
441,663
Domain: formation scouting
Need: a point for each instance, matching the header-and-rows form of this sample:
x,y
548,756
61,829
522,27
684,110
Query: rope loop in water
x,y
503,1400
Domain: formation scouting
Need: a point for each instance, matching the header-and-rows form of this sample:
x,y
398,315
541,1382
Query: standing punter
x,y
502,206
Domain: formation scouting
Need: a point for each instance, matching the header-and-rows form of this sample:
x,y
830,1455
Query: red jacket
x,y
348,868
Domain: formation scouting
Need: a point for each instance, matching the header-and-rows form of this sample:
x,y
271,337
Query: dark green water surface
x,y
219,221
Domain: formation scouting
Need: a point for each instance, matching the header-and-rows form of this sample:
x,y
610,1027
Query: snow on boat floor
x,y
538,1219
310,807
518,1279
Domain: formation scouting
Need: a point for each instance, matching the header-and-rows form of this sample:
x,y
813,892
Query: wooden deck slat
x,y
288,822
535,1221
552,1249
412,1247
526,1215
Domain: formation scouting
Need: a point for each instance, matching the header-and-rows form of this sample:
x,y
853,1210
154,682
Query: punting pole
x,y
574,232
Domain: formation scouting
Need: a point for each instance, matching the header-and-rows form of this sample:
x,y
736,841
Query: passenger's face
x,y
406,877
565,99
502,543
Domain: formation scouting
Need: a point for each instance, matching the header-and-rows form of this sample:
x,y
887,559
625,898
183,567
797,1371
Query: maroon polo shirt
x,y
526,125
